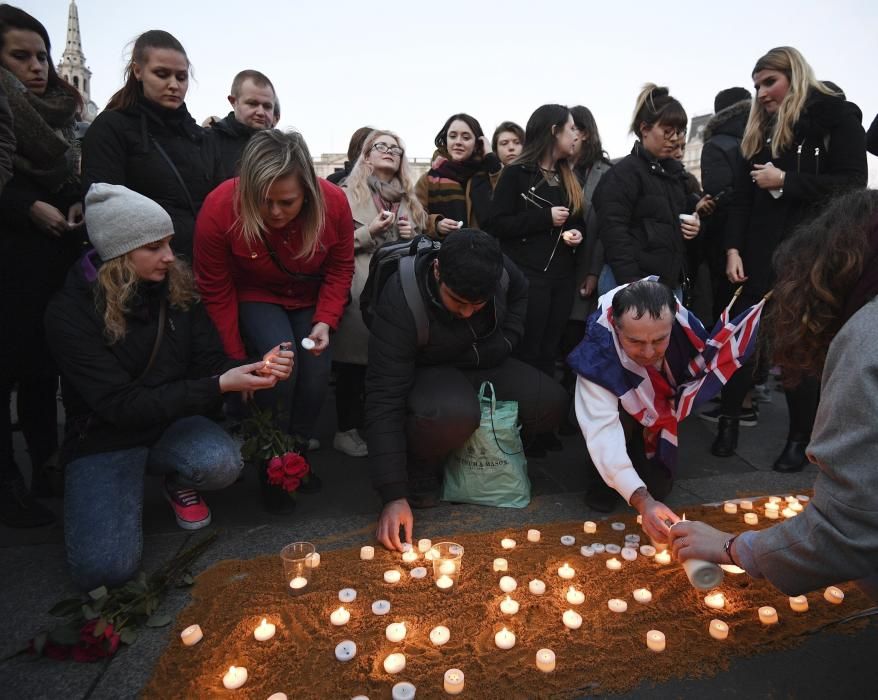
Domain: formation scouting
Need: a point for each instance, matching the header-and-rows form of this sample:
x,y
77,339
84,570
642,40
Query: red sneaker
x,y
189,507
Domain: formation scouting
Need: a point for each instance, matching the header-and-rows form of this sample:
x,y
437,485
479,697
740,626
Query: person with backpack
x,y
445,321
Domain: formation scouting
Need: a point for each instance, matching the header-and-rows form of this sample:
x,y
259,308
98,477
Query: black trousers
x,y
350,388
548,307
443,408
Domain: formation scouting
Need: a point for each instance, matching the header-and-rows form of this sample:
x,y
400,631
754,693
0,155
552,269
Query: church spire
x,y
72,66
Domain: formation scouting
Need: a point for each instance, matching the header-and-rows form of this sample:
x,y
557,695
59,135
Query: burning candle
x,y
191,635
586,550
575,597
568,540
453,681
629,553
788,513
394,663
447,568
589,527
771,511
796,506
618,527
395,632
507,543
751,518
409,557
774,499
418,572
533,535
566,572
235,677
508,584
424,545
501,564
833,595
402,691
642,595
392,576
614,564
340,617
546,660
444,582
616,605
264,631
647,550
655,640
439,635
730,507
718,629
347,595
799,603
767,615
508,606
380,607
367,553
715,600
432,554
572,619
504,639
536,587
346,650
746,505
663,558
298,583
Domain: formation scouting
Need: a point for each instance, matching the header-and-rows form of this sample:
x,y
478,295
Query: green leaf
x,y
100,627
158,620
67,635
98,593
188,580
128,636
89,613
67,607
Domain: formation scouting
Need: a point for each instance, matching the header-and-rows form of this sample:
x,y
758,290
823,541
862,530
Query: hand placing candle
x,y
235,677
504,639
340,617
264,631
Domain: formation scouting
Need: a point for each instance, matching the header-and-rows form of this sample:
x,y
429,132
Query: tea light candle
x,y
632,539
394,663
575,597
802,499
504,639
730,507
751,518
598,547
507,543
444,582
431,554
235,677
788,513
283,696
616,605
655,640
312,561
618,527
612,549
508,606
629,553
392,576
767,615
264,631
833,595
614,564
589,527
380,607
772,510
439,635
395,632
647,550
501,564
533,535
409,557
406,547
447,568
568,540
642,595
586,550
715,600
799,603
418,572
746,505
566,572
537,587
718,629
367,553
346,650
453,681
774,499
572,619
546,660
508,584
298,583
347,595
663,558
796,506
191,635
402,691
340,617
424,545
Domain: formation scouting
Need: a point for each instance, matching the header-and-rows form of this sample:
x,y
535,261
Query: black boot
x,y
601,498
793,458
726,437
274,498
313,483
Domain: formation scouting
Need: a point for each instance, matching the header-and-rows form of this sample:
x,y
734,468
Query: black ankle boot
x,y
726,437
793,458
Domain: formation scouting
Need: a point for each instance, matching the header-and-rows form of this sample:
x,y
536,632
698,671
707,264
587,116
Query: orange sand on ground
x,y
607,654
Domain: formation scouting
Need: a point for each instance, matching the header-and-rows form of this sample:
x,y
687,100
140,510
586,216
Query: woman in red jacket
x,y
274,258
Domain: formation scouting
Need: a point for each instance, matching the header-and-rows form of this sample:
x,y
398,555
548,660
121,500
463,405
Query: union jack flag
x,y
696,367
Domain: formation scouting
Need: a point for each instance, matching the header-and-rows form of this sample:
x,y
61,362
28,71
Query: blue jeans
x,y
103,497
298,400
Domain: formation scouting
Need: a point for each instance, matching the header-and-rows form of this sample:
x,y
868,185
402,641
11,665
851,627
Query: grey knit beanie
x,y
119,220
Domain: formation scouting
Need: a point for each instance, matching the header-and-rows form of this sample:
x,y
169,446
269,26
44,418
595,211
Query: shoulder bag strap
x,y
179,177
159,336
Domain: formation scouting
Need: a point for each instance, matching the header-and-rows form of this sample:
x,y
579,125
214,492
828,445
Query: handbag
x,y
490,468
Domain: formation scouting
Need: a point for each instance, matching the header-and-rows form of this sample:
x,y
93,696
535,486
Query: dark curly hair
x,y
817,269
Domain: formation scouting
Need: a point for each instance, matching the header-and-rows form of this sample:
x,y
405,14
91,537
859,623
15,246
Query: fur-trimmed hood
x,y
730,120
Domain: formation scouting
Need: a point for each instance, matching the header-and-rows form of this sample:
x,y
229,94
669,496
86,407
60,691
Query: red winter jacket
x,y
229,271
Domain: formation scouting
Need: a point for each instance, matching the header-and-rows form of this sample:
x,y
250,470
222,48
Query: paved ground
x,y
33,571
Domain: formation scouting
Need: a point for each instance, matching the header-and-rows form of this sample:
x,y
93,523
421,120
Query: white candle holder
x,y
446,564
295,558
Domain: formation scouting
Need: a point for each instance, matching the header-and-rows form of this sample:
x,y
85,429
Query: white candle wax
x,y
774,499
589,527
732,569
629,553
282,696
618,527
586,550
715,600
424,545
730,508
453,681
790,499
647,550
394,663
432,554
418,572
264,631
802,499
612,549
546,660
340,617
751,518
312,561
771,514
439,635
718,629
406,547
395,632
347,595
614,564
402,691
632,540
575,597
392,576
508,606
346,650
507,543
833,595
235,677
367,553
447,568
788,513
796,506
598,547
571,619
504,639
663,558
508,584
566,572
642,595
192,635
767,615
568,540
655,640
380,607
409,557
501,564
298,583
799,603
536,587
746,505
533,535
444,582
616,605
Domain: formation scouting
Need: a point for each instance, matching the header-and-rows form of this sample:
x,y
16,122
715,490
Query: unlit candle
x,y
546,660
453,681
718,629
508,584
767,615
536,587
799,603
655,640
833,595
572,619
439,635
533,535
589,527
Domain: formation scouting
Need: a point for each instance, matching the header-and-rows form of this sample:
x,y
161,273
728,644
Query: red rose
x,y
275,470
92,648
291,483
295,465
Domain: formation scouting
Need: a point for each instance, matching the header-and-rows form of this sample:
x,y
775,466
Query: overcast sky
x,y
406,66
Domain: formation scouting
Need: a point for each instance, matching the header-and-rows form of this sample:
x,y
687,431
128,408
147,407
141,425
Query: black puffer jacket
x,y
486,339
109,405
638,204
229,136
120,148
828,158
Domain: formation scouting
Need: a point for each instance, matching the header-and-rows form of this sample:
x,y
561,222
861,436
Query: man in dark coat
x,y
421,401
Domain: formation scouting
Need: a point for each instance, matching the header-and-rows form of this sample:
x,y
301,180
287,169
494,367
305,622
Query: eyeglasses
x,y
673,134
382,147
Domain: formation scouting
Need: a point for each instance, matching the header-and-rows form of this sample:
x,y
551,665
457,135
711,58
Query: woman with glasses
x,y
456,191
381,195
640,200
274,257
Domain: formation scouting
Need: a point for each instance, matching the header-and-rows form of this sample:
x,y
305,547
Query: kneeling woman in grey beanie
x,y
140,361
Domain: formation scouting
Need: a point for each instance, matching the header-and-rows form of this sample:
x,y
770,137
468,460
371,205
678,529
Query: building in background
x,y
695,144
329,163
72,66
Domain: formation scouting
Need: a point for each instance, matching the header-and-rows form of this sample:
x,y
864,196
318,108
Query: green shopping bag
x,y
490,469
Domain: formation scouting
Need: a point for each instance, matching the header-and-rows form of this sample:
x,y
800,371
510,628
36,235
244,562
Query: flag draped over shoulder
x,y
697,365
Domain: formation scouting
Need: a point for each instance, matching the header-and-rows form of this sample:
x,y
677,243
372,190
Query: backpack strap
x,y
413,297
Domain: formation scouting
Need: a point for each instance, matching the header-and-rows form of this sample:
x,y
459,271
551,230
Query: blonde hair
x,y
117,284
268,156
793,65
357,182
